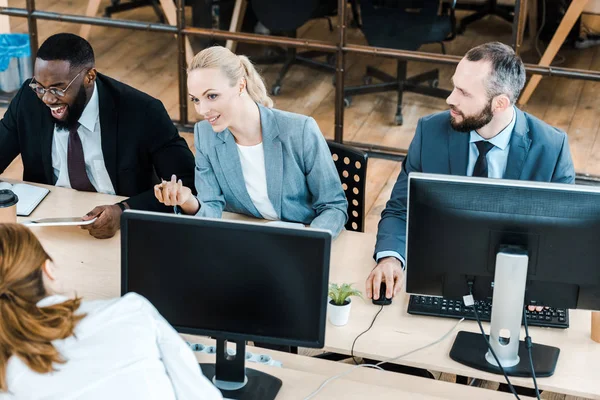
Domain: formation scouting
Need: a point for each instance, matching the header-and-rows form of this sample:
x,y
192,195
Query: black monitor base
x,y
469,349
260,386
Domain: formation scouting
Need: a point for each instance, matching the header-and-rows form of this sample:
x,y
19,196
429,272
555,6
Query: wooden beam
x,y
4,22
573,13
171,14
91,11
239,11
168,8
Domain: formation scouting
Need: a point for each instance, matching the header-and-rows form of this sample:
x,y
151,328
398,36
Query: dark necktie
x,y
76,163
481,165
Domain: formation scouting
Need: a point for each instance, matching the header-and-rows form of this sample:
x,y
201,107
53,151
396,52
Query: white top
x,y
123,349
252,159
497,157
89,132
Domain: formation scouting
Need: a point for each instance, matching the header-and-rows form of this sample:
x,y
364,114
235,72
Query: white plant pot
x,y
338,315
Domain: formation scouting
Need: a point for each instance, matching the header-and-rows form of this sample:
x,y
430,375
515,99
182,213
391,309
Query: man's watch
x,y
122,206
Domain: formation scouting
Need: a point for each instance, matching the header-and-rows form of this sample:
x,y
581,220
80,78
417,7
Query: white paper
x,y
29,196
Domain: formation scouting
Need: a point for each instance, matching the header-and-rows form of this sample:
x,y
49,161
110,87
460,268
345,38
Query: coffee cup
x,y
8,206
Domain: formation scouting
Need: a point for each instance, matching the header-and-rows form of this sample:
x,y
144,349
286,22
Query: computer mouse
x,y
382,301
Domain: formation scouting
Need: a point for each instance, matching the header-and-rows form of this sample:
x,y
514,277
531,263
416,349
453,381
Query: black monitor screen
x,y
456,226
229,279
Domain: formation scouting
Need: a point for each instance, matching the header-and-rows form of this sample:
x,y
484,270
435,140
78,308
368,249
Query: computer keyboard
x,y
454,308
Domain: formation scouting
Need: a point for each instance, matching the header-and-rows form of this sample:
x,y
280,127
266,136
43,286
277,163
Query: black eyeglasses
x,y
41,91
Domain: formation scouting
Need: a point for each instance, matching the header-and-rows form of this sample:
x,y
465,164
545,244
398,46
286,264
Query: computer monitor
x,y
521,241
234,281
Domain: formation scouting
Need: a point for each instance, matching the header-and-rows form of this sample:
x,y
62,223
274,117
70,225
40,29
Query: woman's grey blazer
x,y
302,181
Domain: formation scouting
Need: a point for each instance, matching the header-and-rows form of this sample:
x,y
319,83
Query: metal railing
x,y
340,48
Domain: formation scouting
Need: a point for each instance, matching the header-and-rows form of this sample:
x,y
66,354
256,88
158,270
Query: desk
x,y
302,375
576,8
92,267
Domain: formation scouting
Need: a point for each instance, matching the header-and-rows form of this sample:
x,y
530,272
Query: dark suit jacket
x,y
538,152
139,141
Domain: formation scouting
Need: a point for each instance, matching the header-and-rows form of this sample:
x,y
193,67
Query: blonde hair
x,y
26,330
234,67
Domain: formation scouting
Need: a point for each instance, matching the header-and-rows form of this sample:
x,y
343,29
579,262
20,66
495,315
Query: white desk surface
x,y
92,268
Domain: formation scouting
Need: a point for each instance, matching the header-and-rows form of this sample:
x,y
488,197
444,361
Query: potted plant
x,y
338,306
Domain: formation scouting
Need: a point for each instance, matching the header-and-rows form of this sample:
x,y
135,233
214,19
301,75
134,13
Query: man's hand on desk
x,y
108,222
388,270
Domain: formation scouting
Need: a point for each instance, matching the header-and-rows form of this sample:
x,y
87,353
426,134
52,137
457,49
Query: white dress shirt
x,y
252,159
497,159
122,349
89,132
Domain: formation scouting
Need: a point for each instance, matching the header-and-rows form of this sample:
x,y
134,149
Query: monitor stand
x,y
507,313
231,377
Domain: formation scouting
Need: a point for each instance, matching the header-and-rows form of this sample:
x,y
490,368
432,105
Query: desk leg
x,y
92,10
171,14
239,11
567,23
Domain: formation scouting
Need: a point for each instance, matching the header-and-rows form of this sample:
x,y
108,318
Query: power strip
x,y
257,358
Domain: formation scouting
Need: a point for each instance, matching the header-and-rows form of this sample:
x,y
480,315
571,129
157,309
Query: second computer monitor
x,y
457,225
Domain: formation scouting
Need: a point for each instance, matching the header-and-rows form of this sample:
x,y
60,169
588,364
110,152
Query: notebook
x,y
29,196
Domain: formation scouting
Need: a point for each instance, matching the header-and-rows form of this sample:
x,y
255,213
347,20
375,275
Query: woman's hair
x,y
26,330
234,67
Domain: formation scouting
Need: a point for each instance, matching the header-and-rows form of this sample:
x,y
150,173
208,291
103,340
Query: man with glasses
x,y
77,128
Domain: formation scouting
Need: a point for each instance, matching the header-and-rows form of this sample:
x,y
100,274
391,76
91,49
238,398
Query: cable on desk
x,y
512,388
362,333
377,366
529,345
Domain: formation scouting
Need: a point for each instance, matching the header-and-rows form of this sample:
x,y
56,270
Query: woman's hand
x,y
173,193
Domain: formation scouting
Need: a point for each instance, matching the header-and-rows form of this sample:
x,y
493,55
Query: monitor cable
x,y
512,388
377,366
362,333
529,345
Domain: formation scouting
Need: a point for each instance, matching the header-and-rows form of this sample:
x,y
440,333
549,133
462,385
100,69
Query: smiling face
x,y
214,96
58,74
470,105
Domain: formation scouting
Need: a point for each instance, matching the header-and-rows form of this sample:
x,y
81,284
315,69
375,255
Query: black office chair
x,y
117,6
403,25
351,165
284,17
490,7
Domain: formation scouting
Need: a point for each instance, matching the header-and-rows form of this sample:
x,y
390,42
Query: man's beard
x,y
75,111
473,122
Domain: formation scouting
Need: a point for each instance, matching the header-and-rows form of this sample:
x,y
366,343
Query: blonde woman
x,y
54,347
250,158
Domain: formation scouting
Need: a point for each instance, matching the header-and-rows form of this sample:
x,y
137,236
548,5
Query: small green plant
x,y
340,293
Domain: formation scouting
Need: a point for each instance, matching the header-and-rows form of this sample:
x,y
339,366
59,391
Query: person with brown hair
x,y
251,158
54,347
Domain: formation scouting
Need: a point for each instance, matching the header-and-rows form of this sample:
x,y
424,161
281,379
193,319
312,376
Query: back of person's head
x,y
507,75
67,47
26,331
235,67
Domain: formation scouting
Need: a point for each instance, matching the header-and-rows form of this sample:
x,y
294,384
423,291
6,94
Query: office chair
x,y
403,25
351,165
117,6
490,7
284,17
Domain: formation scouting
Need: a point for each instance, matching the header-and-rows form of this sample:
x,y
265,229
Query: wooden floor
x,y
147,61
